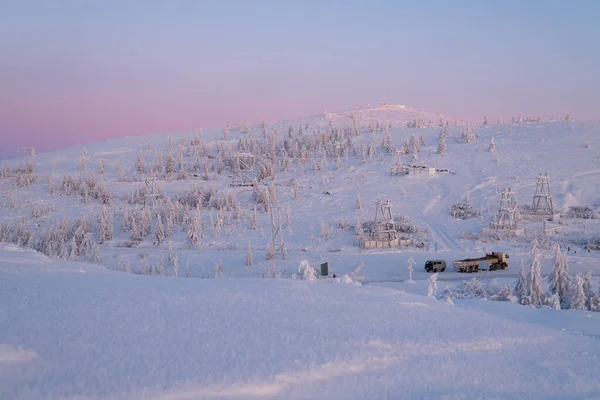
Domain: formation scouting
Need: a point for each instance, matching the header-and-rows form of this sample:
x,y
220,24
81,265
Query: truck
x,y
491,262
435,266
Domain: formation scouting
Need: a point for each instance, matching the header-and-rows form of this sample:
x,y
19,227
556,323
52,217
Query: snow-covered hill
x,y
321,176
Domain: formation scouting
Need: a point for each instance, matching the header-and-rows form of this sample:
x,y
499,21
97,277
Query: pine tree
x,y
442,145
492,147
249,255
159,233
170,164
522,288
588,289
288,217
101,167
139,164
106,225
96,254
559,279
175,267
535,281
358,201
188,269
577,297
195,231
254,220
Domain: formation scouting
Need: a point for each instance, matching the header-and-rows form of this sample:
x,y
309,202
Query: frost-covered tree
x,y
218,272
559,279
288,217
106,224
553,302
195,231
358,201
139,163
188,269
175,262
577,297
170,164
306,271
492,147
95,254
535,280
249,255
101,167
254,219
522,288
588,289
159,232
432,289
442,144
296,189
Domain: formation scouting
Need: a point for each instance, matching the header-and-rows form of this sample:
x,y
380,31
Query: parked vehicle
x,y
435,266
491,262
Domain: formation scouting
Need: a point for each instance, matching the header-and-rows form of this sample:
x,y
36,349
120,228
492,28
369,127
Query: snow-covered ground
x,y
71,329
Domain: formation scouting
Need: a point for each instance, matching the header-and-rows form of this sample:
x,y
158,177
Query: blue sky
x,y
74,71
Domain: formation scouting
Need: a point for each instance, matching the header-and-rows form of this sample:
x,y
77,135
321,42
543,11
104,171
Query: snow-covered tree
x,y
159,232
106,224
95,254
306,271
170,163
358,201
492,147
195,231
101,167
188,269
588,289
218,272
522,288
288,217
139,163
442,144
432,289
559,279
577,297
535,280
175,262
553,302
254,219
249,255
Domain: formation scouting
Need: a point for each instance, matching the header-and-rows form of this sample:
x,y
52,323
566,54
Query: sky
x,y
76,71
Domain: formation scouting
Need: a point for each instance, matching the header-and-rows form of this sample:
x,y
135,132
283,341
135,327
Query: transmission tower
x,y
150,189
277,244
542,200
383,225
507,212
242,168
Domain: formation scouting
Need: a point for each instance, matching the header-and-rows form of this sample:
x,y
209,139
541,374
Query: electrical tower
x,y
507,212
242,168
383,225
542,200
150,189
277,244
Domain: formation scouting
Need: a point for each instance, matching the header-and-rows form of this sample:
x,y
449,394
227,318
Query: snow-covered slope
x,y
71,330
